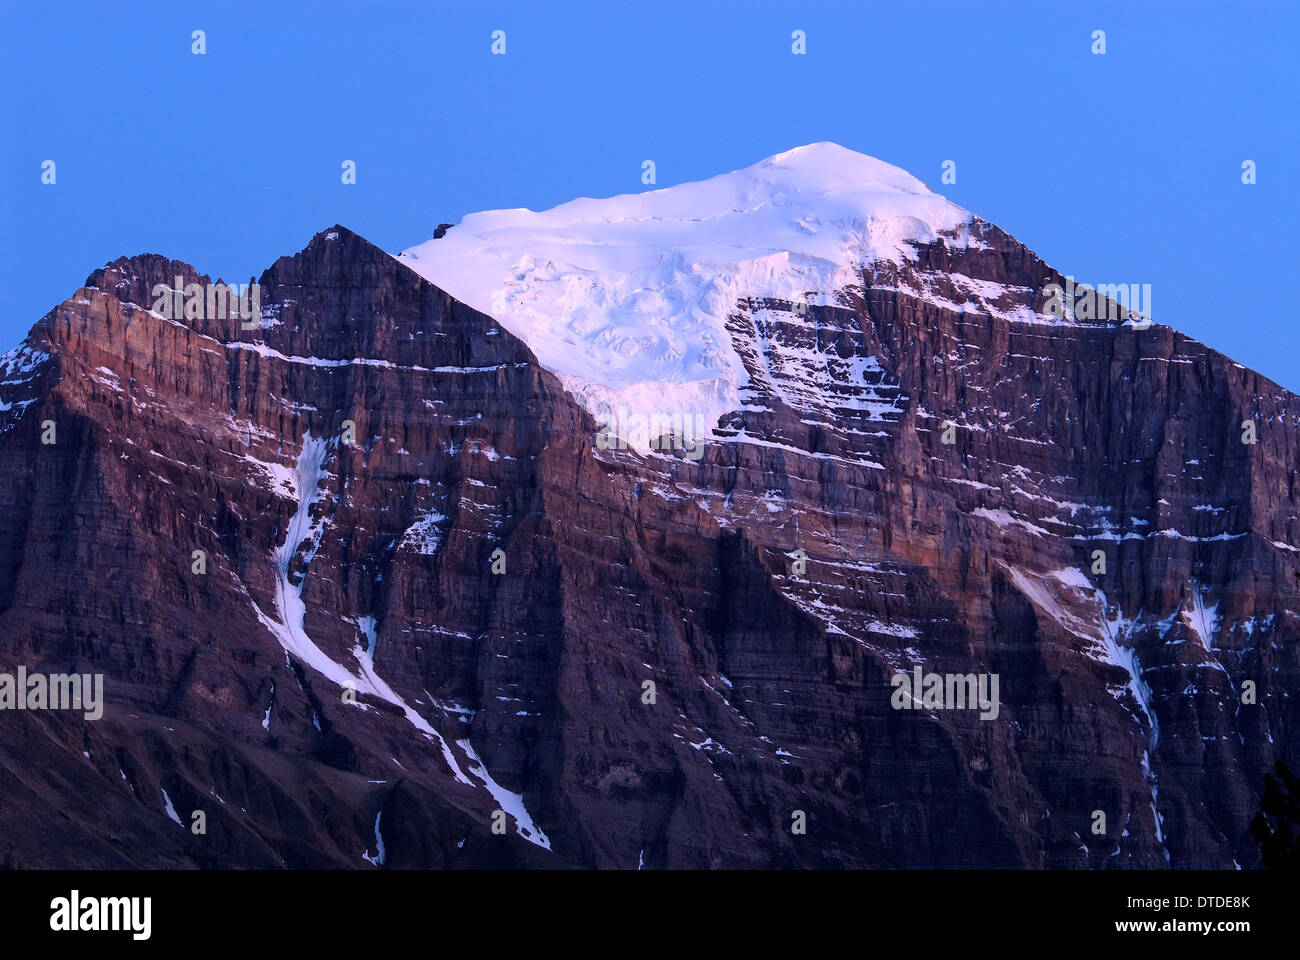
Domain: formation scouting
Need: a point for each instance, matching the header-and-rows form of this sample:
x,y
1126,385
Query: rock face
x,y
440,624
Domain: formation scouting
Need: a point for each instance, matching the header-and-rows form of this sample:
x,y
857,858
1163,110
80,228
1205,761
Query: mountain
x,y
448,618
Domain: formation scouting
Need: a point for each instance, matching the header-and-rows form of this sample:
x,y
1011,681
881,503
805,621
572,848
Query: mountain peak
x,y
337,238
828,164
133,279
628,297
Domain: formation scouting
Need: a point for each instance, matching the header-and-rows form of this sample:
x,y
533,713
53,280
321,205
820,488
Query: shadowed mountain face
x,y
435,623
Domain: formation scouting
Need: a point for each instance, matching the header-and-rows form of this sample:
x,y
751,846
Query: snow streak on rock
x,y
510,802
290,610
288,629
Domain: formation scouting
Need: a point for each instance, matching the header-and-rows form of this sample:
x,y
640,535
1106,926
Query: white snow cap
x,y
625,299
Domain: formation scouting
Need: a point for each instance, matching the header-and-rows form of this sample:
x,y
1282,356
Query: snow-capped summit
x,y
822,165
626,298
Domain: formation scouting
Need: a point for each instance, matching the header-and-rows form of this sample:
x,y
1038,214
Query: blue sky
x,y
1117,168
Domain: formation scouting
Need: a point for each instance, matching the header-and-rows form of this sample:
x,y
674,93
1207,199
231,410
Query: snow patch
x,y
510,802
167,804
